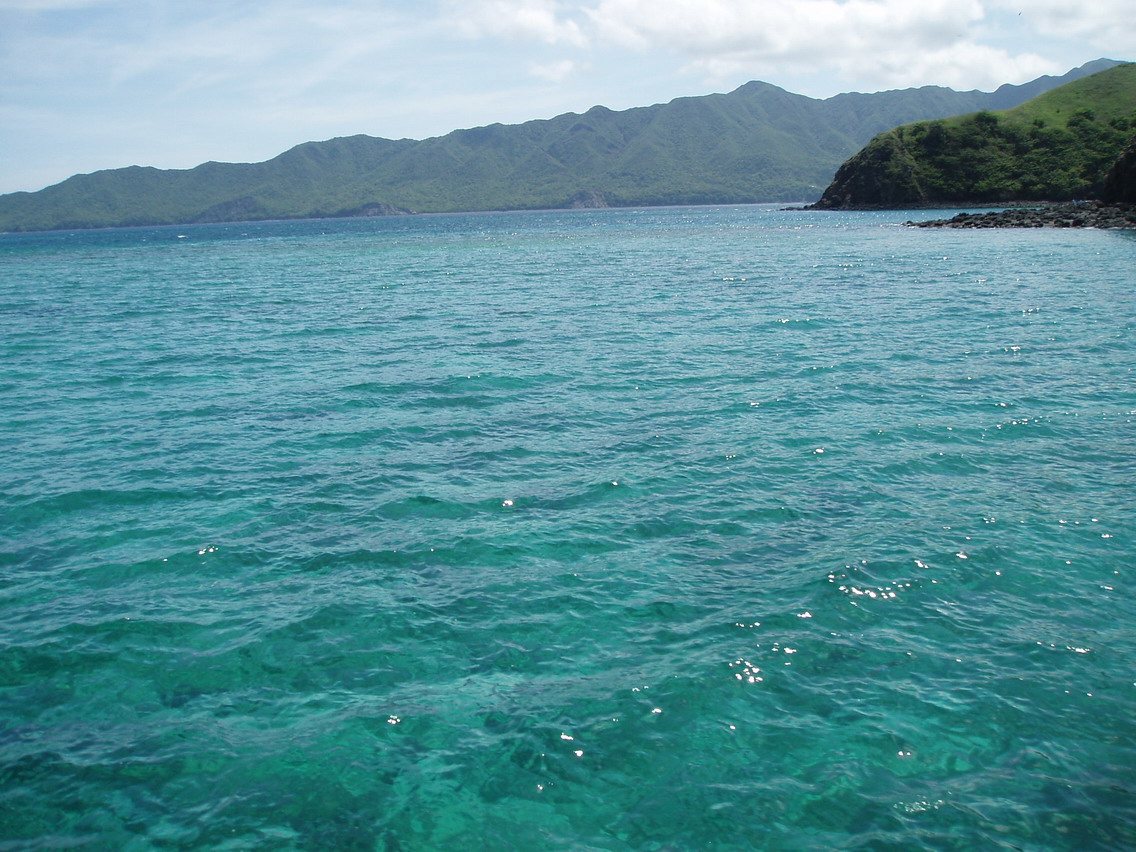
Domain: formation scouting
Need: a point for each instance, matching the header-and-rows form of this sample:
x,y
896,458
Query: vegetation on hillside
x,y
1056,147
758,143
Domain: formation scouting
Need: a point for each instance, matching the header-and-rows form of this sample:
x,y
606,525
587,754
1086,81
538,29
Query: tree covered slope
x,y
1055,147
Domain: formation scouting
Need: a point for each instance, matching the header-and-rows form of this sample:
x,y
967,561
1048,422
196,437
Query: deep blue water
x,y
674,529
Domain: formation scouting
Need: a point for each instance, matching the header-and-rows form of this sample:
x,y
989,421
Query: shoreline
x,y
1073,214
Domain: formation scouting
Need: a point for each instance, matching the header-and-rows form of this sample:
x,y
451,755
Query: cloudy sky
x,y
95,84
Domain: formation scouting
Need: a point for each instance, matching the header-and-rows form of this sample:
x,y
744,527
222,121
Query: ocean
x,y
647,529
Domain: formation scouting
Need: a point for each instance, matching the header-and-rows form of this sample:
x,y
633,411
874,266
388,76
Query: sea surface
x,y
673,529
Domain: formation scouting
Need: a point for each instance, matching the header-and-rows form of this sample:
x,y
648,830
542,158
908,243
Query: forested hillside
x,y
757,143
1056,147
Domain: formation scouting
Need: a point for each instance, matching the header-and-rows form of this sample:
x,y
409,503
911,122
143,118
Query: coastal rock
x,y
1093,214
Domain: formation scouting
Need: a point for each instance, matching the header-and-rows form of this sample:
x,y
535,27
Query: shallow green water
x,y
706,528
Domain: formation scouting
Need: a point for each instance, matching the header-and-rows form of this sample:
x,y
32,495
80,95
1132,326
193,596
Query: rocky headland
x,y
1066,159
1091,214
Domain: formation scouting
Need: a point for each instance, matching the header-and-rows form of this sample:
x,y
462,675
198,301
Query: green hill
x,y
1055,147
757,143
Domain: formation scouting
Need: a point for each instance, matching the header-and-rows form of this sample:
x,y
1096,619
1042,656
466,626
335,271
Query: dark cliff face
x,y
1120,183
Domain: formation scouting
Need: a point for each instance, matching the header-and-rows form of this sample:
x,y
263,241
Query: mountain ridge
x,y
756,143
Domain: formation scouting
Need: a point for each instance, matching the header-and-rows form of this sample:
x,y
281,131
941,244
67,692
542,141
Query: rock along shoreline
x,y
1079,214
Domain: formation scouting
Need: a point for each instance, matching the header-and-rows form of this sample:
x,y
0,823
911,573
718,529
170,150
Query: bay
x,y
676,528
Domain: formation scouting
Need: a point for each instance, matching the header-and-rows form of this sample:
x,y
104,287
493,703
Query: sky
x,y
97,84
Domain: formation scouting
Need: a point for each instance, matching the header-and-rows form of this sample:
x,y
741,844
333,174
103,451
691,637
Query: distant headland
x,y
1075,143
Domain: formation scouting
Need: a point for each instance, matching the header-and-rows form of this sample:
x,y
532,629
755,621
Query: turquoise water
x,y
705,528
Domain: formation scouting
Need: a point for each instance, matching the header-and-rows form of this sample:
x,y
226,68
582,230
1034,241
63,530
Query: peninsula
x,y
1062,159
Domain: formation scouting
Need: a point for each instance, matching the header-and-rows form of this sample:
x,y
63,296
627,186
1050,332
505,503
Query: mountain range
x,y
758,143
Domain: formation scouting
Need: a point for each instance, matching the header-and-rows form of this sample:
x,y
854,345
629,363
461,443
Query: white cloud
x,y
516,20
877,42
1106,24
815,28
961,66
554,72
